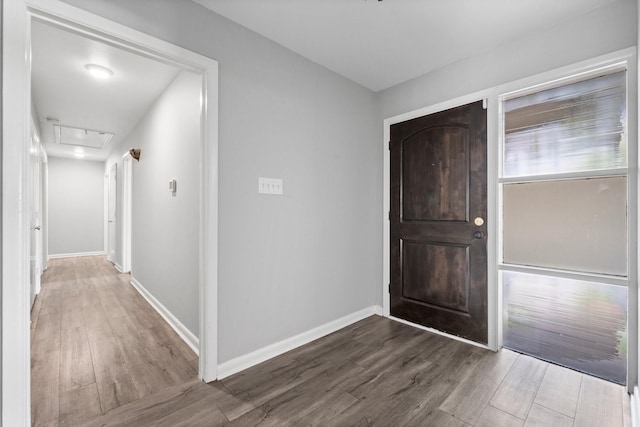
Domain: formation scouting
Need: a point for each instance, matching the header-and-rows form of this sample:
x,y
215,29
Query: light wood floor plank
x,y
45,387
560,390
519,387
97,323
231,406
540,416
157,409
79,405
150,377
599,403
115,385
76,366
469,399
47,334
492,417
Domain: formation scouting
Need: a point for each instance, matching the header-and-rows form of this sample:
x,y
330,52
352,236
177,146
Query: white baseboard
x,y
241,363
437,332
53,256
117,266
184,333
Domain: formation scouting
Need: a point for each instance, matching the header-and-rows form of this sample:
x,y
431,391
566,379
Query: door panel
x,y
444,266
438,252
434,163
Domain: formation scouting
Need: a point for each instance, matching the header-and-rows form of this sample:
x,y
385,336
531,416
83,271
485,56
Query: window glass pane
x,y
572,128
577,224
577,324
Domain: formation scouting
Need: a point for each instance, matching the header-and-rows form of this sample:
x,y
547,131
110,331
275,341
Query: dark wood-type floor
x,y
102,356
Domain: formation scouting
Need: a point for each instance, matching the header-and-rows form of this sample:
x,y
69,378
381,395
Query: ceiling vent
x,y
67,135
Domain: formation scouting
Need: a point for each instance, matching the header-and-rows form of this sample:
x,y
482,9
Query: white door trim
x,y
127,170
15,223
17,17
492,185
112,194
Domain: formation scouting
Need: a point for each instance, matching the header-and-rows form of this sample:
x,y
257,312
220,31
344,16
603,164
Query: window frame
x,y
624,60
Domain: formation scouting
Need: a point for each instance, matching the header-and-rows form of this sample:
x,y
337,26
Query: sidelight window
x,y
564,253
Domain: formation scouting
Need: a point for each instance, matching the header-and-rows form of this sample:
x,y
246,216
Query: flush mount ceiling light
x,y
98,71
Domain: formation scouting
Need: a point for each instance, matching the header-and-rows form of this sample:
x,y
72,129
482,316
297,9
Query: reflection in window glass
x,y
572,128
573,323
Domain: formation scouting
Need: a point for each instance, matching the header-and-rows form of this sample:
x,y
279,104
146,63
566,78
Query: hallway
x,y
101,356
96,344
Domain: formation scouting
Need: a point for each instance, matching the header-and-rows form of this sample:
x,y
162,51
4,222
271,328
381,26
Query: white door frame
x,y
15,222
127,171
112,194
17,16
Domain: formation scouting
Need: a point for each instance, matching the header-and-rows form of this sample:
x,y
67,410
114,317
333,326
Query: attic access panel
x,y
67,135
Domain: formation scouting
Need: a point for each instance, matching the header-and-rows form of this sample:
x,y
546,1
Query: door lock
x,y
478,235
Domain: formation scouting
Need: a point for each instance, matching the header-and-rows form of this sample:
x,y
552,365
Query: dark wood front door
x,y
438,221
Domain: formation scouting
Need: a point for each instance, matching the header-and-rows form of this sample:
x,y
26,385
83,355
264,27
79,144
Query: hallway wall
x,y
165,238
76,206
287,264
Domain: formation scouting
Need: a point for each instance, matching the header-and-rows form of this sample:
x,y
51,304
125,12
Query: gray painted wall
x,y
291,263
288,264
165,239
601,31
76,206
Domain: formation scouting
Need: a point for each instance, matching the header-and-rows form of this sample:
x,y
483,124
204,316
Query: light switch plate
x,y
271,186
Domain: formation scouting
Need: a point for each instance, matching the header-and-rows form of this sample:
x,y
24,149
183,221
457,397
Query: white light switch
x,y
270,186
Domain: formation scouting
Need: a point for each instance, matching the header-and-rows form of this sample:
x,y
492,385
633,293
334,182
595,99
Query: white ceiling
x,y
382,43
64,90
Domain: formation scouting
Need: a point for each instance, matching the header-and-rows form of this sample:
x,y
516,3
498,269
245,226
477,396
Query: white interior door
x,y
111,213
35,255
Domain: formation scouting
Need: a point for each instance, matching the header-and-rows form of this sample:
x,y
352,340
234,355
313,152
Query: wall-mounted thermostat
x,y
173,186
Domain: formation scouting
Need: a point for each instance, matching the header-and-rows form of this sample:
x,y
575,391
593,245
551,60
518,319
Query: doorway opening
x,y
78,21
